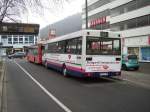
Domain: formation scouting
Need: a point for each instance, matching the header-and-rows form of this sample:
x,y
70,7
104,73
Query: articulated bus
x,y
86,53
34,54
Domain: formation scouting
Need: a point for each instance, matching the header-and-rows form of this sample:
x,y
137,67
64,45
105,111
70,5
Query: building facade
x,y
130,18
68,25
15,36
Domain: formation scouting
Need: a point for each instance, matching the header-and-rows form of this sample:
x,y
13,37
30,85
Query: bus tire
x,y
64,71
46,65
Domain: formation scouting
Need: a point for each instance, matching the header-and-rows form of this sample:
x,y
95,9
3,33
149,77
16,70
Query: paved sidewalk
x,y
142,79
1,81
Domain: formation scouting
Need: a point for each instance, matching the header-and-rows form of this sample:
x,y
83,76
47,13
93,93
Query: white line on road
x,y
66,109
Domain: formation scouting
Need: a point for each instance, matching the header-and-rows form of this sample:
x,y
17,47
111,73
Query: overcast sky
x,y
50,17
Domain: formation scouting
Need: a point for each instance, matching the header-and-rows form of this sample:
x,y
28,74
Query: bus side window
x,y
78,45
61,47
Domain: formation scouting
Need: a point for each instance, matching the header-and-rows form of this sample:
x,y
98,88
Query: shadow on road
x,y
94,80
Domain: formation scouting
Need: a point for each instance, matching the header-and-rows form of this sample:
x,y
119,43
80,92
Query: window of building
x,y
4,39
98,4
26,40
21,40
31,39
117,11
142,3
35,39
4,36
15,40
105,26
9,40
142,21
20,29
131,23
4,28
116,27
100,14
130,6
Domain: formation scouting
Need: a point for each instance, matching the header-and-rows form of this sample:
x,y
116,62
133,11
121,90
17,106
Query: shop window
x,y
145,53
133,50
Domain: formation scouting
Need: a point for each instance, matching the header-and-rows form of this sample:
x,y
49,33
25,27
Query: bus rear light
x,y
89,58
88,75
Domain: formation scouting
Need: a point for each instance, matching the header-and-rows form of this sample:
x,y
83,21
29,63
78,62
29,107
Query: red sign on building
x,y
149,40
98,21
52,33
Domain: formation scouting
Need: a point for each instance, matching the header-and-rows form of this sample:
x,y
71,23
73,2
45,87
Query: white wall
x,y
135,32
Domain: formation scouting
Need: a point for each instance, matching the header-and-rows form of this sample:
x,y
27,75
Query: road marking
x,y
66,109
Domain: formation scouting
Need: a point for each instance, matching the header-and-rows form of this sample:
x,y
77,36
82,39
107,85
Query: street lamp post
x,y
86,13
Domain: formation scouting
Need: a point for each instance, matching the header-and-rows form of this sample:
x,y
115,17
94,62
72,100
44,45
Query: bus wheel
x,y
46,64
64,71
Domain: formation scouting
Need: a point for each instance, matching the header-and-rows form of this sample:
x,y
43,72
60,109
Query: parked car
x,y
130,62
17,55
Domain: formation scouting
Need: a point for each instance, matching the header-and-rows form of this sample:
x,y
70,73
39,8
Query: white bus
x,y
86,53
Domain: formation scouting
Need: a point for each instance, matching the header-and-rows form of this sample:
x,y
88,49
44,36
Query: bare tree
x,y
10,10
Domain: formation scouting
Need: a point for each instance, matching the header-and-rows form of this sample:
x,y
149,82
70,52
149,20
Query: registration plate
x,y
103,74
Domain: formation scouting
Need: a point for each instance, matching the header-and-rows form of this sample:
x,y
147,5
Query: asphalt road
x,y
33,88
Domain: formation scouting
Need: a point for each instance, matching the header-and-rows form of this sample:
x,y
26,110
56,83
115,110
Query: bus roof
x,y
80,33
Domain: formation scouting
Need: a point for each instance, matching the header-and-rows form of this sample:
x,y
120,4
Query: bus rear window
x,y
103,46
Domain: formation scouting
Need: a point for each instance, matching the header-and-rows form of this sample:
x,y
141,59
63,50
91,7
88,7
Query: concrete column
x,y
0,39
12,39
